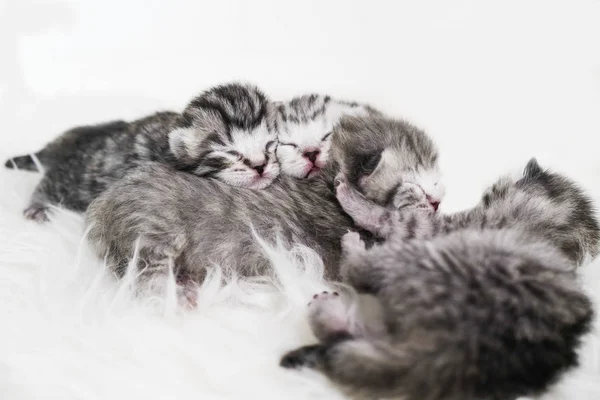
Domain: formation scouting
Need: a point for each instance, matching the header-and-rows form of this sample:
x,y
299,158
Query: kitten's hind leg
x,y
358,366
328,316
331,316
37,212
38,209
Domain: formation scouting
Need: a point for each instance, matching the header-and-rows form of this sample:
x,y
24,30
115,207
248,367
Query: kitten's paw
x,y
351,243
302,357
328,316
38,213
339,179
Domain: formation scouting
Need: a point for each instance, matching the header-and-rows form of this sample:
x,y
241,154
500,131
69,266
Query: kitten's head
x,y
561,200
378,155
305,125
228,132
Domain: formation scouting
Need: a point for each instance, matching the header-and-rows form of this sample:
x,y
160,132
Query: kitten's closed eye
x,y
327,135
369,162
288,144
270,146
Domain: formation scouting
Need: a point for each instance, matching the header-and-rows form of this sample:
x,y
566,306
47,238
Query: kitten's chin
x,y
261,183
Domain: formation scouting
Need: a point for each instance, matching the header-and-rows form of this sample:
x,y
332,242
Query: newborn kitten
x,y
476,314
305,124
226,132
200,222
229,133
543,203
82,162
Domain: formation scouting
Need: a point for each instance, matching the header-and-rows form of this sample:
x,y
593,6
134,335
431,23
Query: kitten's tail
x,y
27,163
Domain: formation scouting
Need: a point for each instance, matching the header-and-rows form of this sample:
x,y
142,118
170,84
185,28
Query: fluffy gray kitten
x,y
226,132
198,222
304,127
543,203
477,314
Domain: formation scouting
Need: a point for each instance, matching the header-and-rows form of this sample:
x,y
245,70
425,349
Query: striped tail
x,y
25,162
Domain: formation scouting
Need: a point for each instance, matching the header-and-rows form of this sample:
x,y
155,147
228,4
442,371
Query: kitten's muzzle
x,y
312,155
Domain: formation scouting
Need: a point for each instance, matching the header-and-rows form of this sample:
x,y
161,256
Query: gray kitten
x,y
304,127
226,132
472,315
546,204
198,222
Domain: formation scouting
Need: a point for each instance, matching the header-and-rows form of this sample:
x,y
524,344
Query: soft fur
x,y
196,222
82,162
473,315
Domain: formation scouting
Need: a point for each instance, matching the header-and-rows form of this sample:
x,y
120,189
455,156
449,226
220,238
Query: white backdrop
x,y
494,83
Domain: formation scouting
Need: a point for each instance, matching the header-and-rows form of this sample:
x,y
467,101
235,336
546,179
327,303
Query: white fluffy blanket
x,y
69,331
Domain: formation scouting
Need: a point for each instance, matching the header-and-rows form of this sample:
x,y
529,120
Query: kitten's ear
x,y
185,143
532,169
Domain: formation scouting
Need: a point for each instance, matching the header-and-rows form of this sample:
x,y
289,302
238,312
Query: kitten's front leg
x,y
366,214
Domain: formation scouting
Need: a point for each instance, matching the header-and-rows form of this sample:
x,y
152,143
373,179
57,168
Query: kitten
x,y
229,133
226,132
472,315
305,124
541,202
199,222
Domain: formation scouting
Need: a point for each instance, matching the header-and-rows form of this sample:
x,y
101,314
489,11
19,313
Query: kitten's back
x,y
472,315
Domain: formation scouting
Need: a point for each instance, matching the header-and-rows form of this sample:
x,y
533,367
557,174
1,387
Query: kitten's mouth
x,y
314,169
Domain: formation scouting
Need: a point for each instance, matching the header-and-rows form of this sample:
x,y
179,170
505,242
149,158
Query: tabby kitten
x,y
472,315
199,222
543,203
226,132
305,124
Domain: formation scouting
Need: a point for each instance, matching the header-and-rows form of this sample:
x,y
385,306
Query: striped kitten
x,y
199,222
227,132
305,124
475,314
543,203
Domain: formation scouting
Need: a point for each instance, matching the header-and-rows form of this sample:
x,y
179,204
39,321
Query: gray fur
x,y
304,126
84,161
199,222
205,140
472,315
545,204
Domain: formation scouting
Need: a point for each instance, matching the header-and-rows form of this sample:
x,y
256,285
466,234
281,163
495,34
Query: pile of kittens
x,y
481,304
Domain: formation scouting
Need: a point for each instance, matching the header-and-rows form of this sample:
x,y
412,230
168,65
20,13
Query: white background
x,y
493,82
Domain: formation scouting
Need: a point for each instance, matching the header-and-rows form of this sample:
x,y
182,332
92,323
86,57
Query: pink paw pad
x,y
328,314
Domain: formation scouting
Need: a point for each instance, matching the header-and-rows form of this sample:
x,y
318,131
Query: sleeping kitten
x,y
472,315
305,124
199,222
543,203
229,133
226,132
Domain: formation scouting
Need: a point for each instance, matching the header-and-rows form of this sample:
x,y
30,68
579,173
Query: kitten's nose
x,y
433,202
260,168
312,155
